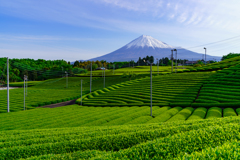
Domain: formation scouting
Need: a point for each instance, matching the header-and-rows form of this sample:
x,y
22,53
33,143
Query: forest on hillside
x,y
41,69
35,69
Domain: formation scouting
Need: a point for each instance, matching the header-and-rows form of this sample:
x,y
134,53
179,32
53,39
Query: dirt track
x,y
4,88
59,104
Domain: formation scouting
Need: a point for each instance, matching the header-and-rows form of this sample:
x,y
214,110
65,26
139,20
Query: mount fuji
x,y
148,46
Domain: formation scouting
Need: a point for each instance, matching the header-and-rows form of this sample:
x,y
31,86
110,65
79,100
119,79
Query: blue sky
x,y
84,29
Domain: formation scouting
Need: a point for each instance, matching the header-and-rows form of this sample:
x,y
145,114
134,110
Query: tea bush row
x,y
167,140
75,116
174,88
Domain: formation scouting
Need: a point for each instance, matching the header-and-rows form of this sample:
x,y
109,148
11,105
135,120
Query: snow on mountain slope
x,y
147,41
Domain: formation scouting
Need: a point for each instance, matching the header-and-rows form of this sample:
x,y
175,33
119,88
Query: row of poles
x,y
158,73
172,60
103,75
25,84
25,79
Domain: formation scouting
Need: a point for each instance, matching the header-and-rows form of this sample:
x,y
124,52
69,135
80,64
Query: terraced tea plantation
x,y
174,89
217,66
196,89
221,89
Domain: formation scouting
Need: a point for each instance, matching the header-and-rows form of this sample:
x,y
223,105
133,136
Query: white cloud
x,y
189,12
171,16
124,4
135,5
192,19
183,17
169,5
43,38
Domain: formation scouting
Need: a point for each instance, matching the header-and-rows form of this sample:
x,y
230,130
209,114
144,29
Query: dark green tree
x,y
76,63
230,55
151,59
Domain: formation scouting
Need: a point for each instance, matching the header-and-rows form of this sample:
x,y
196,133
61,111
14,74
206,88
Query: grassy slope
x,y
211,138
137,70
53,91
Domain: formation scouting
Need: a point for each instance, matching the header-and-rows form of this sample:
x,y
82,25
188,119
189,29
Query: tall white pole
x,y
81,91
113,68
102,70
24,93
172,60
62,71
151,88
8,105
26,86
205,54
91,78
104,79
176,62
66,79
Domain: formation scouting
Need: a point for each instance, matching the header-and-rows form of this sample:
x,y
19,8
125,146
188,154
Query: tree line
x,y
45,69
35,69
161,62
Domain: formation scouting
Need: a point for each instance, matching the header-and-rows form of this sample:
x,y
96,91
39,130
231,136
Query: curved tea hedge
x,y
75,116
175,90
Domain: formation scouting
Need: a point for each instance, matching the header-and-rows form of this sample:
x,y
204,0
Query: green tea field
x,y
52,91
169,89
195,116
206,138
137,70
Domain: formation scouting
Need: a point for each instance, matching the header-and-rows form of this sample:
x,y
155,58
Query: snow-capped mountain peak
x,y
147,41
148,46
